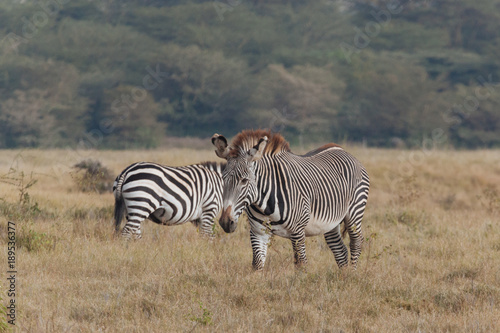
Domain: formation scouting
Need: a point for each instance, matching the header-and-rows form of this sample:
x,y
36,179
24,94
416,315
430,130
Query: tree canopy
x,y
127,73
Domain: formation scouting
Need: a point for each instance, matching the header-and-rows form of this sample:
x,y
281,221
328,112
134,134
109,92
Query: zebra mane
x,y
247,139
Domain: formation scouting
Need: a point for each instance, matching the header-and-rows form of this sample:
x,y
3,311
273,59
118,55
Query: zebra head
x,y
240,184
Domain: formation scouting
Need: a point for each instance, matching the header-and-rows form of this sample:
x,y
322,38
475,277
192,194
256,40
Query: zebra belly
x,y
277,229
281,231
318,227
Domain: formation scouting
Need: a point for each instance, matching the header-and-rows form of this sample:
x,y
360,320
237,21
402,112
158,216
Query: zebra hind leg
x,y
353,220
334,240
299,249
353,226
132,229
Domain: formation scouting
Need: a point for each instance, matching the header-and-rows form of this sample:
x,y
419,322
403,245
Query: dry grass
x,y
431,262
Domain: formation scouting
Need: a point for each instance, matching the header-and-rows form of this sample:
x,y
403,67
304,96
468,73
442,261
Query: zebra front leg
x,y
259,237
299,248
334,240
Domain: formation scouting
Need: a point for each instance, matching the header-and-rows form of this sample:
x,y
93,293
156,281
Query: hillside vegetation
x,y
430,262
128,73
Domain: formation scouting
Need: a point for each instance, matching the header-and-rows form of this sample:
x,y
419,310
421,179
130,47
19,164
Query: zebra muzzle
x,y
226,220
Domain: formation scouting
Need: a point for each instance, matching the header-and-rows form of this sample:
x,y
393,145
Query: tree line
x,y
128,73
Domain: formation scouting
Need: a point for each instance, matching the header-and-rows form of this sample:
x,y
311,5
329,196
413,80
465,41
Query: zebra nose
x,y
226,214
226,221
231,226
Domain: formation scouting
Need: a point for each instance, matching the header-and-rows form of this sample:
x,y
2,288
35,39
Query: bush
x,y
26,208
92,176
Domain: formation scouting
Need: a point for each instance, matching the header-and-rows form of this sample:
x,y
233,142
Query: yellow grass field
x,y
430,262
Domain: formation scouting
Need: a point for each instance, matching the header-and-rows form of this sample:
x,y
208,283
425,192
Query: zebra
x,y
292,196
168,195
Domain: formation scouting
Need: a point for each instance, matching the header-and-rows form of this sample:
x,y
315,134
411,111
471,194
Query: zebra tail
x,y
119,203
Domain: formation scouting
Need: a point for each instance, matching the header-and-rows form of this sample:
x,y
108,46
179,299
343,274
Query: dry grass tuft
x,y
431,260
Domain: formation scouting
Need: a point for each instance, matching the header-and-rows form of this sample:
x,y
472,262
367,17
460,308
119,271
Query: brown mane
x,y
247,139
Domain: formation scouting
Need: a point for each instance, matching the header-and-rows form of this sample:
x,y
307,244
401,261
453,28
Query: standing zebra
x,y
292,196
168,195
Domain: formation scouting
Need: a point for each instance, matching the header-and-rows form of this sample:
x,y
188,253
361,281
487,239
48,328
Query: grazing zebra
x,y
168,195
292,196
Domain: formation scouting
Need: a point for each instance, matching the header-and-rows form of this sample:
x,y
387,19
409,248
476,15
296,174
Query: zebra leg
x,y
207,224
353,226
353,220
259,237
133,228
334,240
299,248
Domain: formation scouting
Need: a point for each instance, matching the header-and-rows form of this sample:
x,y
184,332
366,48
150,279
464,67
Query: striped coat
x,y
292,196
168,196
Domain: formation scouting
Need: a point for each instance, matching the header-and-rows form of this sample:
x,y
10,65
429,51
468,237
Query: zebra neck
x,y
267,196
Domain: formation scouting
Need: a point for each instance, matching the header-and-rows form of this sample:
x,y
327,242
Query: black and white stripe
x,y
293,196
168,196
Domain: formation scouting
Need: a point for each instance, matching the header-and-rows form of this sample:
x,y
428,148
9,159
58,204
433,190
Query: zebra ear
x,y
255,153
220,142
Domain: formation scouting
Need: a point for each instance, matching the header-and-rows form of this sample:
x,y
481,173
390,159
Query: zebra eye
x,y
244,181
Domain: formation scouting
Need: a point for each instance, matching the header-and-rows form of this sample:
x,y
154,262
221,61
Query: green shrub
x,y
34,241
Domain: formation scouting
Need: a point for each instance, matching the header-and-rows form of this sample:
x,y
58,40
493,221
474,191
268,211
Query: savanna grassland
x,y
431,260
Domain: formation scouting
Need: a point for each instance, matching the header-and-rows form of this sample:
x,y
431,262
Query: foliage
x,y
125,74
25,207
92,176
34,241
